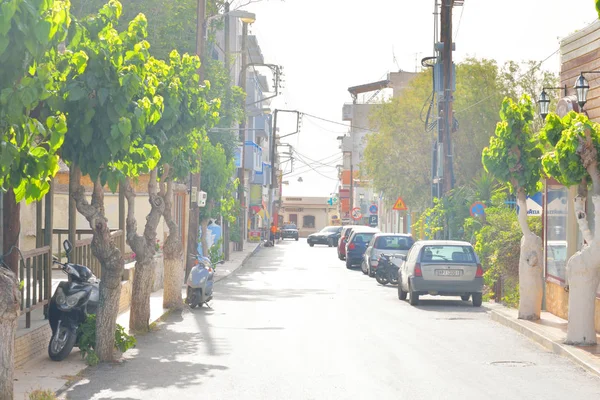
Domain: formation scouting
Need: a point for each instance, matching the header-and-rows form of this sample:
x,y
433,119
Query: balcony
x,y
253,157
262,126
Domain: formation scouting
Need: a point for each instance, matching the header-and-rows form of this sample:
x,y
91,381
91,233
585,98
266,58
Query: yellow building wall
x,y
557,302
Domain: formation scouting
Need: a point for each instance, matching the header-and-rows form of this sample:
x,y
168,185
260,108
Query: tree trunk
x,y
144,249
204,227
583,277
111,262
9,312
12,228
173,252
531,281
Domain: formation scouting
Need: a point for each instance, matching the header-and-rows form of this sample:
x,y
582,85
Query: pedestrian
x,y
272,233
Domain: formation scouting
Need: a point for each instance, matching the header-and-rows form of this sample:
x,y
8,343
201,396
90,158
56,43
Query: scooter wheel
x,y
382,280
61,343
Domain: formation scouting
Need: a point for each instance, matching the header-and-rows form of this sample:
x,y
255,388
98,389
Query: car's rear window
x,y
363,237
289,227
331,229
448,253
394,242
348,232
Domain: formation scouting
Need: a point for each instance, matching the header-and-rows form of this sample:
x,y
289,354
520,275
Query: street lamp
x,y
544,100
581,88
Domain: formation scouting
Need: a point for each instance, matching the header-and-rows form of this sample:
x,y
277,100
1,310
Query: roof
x,y
394,234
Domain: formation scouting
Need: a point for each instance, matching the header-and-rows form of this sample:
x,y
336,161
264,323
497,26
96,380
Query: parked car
x,y
385,243
330,235
345,235
357,244
289,231
441,267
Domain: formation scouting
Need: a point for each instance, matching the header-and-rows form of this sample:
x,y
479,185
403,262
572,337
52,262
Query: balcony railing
x,y
35,272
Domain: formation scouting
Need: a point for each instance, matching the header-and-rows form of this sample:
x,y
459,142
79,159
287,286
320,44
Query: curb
x,y
578,356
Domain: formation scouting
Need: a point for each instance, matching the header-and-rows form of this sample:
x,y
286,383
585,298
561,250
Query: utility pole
x,y
242,138
273,171
445,107
228,69
351,189
194,219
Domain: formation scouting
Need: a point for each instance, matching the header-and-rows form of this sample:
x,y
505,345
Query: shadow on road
x,y
161,350
429,304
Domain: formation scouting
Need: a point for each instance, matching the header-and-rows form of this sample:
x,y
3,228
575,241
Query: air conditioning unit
x,y
202,198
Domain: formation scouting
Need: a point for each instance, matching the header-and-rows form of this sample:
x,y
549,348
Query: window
x,y
308,221
556,231
294,219
330,229
448,253
363,237
394,242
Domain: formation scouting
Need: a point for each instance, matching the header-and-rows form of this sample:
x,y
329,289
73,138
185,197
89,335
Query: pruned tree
x,y
514,157
573,160
29,34
110,104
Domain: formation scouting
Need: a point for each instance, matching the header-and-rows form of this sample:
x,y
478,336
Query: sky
x,y
326,46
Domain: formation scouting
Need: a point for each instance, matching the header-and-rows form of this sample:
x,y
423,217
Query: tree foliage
x,y
112,100
29,35
565,136
514,153
216,175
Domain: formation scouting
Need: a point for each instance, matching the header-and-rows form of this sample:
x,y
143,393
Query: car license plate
x,y
448,272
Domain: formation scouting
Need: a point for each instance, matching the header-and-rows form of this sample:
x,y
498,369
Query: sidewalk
x,y
550,332
43,373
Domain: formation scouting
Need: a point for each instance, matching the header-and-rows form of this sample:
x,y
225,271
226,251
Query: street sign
x,y
373,220
476,209
356,214
373,209
400,205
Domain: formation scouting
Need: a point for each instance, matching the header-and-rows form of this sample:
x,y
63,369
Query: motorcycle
x,y
200,282
387,271
70,305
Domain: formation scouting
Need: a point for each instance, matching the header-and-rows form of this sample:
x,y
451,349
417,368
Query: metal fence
x,y
36,273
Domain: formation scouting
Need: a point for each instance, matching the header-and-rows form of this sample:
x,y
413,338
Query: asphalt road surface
x,y
294,323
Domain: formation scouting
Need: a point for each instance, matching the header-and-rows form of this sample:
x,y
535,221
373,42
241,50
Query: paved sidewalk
x,y
43,373
550,332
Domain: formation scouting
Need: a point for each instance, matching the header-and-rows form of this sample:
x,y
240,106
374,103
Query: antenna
x,y
395,60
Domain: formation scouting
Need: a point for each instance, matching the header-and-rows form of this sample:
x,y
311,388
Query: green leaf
x,y
102,95
86,134
42,31
114,134
4,41
76,93
125,126
80,60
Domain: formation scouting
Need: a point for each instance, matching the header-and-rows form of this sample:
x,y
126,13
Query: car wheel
x,y
296,239
465,297
348,264
401,293
477,299
414,298
310,244
363,268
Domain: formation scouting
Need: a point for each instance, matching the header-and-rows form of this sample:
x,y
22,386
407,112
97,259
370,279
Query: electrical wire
x,y
459,21
338,123
337,159
325,129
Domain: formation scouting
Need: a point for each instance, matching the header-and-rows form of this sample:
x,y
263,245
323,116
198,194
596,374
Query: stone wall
x,y
557,302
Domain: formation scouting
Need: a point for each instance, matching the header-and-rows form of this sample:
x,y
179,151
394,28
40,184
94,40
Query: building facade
x,y
309,214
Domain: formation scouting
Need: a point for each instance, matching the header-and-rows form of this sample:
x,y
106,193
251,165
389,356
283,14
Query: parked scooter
x,y
72,301
200,282
387,271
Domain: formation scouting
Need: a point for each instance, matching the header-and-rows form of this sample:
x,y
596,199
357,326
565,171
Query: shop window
x,y
556,232
308,221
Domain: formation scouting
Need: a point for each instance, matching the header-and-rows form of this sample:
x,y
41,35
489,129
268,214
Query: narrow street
x,y
294,323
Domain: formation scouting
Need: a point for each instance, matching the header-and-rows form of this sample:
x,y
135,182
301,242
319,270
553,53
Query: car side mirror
x,y
68,247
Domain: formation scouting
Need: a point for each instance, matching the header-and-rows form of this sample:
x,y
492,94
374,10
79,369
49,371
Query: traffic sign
x,y
373,220
400,205
356,214
373,209
476,209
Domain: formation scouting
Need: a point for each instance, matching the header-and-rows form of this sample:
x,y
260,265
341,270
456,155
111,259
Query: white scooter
x,y
200,282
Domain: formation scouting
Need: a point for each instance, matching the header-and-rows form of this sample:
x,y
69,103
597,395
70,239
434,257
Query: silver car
x,y
441,267
385,243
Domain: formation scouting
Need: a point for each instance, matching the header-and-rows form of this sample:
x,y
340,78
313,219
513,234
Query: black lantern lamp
x,y
544,103
581,88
